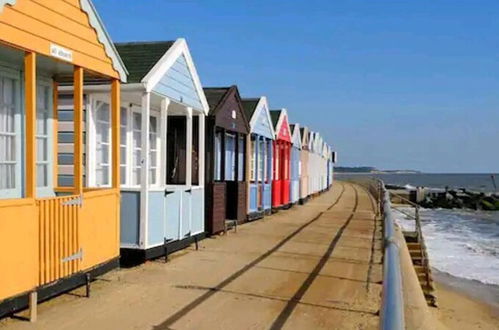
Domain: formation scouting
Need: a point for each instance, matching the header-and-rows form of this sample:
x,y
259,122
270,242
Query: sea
x,y
462,243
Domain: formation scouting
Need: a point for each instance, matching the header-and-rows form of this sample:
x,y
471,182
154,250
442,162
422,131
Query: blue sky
x,y
391,84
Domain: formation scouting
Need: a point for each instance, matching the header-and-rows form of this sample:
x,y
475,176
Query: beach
x,y
464,304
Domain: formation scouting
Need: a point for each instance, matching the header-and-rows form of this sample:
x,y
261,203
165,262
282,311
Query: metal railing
x,y
419,235
392,309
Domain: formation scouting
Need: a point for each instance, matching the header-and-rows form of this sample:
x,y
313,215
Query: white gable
x,y
175,77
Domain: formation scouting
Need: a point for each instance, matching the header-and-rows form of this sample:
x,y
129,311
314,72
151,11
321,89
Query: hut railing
x,y
60,253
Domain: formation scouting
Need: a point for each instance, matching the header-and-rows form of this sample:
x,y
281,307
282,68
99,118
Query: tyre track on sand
x,y
295,300
198,301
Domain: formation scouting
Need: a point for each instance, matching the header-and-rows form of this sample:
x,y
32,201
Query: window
x,y
9,145
261,161
176,150
42,135
277,157
153,150
218,156
230,157
265,157
102,130
240,159
253,159
195,150
136,147
123,144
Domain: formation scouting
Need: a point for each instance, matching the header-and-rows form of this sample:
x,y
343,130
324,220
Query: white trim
x,y
165,102
201,151
283,113
178,48
95,21
144,177
130,246
262,105
188,148
295,137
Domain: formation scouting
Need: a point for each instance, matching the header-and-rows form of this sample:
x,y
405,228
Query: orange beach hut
x,y
52,239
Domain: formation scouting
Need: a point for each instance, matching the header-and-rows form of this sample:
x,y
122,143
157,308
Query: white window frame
x,y
254,140
48,189
16,191
157,116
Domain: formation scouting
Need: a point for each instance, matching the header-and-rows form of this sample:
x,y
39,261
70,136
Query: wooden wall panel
x,y
36,24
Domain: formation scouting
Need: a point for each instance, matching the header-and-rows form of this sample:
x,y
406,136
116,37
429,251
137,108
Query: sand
x,y
316,266
459,307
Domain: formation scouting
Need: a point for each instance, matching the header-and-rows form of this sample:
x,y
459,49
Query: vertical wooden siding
x,y
59,238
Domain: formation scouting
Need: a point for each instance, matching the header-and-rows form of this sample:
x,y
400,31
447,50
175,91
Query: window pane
x,y
123,174
8,152
102,143
136,176
41,175
218,156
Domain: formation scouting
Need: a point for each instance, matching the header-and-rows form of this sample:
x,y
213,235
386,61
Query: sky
x,y
391,84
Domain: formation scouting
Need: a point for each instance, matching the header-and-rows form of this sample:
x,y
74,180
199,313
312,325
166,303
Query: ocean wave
x,y
461,243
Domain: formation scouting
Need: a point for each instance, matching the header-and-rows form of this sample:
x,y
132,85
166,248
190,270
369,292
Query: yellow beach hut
x,y
52,239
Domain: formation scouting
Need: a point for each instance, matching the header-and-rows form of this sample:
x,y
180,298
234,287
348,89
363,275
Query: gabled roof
x,y
103,36
250,106
217,96
140,57
278,117
260,123
275,115
95,52
214,96
295,135
167,69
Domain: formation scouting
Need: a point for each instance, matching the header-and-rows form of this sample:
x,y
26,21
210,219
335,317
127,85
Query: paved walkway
x,y
313,266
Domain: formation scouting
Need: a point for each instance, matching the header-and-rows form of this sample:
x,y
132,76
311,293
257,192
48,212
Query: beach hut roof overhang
x,y
304,136
295,135
92,51
258,114
220,100
281,124
164,70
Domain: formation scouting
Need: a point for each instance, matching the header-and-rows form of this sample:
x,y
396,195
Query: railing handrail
x,y
392,309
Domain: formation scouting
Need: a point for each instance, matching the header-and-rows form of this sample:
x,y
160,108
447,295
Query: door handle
x,y
168,192
189,191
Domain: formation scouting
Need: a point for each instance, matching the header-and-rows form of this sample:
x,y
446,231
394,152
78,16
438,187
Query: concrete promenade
x,y
311,267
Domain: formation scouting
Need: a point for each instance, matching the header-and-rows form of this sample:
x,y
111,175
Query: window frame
x,y
47,190
17,190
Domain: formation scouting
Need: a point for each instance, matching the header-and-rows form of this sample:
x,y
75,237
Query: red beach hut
x,y
282,150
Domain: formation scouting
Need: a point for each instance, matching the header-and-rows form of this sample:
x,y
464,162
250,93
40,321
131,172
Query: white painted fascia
x,y
135,87
262,105
296,136
96,22
178,48
284,114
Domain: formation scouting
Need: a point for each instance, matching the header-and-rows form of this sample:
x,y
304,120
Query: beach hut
x,y
52,239
281,153
260,159
295,163
226,179
304,156
163,110
314,164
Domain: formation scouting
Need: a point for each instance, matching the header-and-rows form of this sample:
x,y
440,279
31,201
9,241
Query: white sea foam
x,y
460,242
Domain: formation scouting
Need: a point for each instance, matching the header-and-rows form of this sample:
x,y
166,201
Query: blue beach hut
x,y
261,153
163,109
